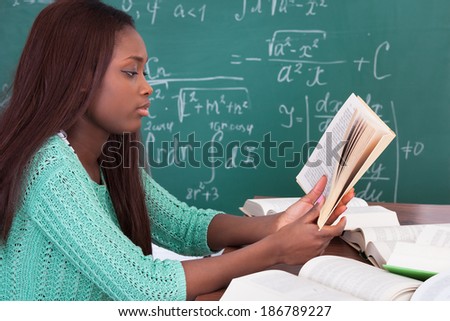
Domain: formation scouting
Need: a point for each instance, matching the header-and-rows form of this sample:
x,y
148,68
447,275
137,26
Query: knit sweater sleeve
x,y
175,225
81,227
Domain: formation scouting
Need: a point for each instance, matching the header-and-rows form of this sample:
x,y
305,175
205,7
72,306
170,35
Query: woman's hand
x,y
302,206
302,240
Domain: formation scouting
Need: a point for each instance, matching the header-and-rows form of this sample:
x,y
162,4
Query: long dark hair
x,y
59,73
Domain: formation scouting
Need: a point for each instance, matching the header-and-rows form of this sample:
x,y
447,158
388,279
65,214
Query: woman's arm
x,y
175,225
231,230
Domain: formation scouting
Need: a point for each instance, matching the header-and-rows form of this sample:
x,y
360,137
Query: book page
x,y
357,202
347,149
367,139
379,252
376,152
368,216
428,255
281,204
436,234
369,111
420,257
161,253
362,236
276,285
436,288
345,167
359,279
319,163
405,233
364,146
267,206
383,130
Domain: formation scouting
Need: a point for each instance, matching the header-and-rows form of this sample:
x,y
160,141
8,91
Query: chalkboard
x,y
243,89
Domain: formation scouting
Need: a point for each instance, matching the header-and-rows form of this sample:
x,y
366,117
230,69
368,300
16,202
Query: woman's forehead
x,y
129,44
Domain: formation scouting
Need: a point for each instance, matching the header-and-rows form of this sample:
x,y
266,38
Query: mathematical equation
x,y
200,12
296,50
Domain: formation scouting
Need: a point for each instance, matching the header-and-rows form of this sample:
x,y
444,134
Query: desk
x,y
407,214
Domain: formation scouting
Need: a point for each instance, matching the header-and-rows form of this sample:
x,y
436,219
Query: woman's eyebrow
x,y
137,58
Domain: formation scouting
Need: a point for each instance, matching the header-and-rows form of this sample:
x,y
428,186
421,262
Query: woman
x,y
76,223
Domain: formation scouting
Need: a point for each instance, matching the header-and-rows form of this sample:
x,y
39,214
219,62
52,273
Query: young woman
x,y
76,224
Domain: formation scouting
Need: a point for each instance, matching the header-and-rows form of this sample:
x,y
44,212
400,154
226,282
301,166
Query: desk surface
x,y
407,214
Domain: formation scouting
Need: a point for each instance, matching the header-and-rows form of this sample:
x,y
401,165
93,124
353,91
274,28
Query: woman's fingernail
x,y
320,199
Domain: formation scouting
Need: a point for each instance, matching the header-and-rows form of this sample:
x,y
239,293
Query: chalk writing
x,y
276,7
197,13
210,101
413,148
208,194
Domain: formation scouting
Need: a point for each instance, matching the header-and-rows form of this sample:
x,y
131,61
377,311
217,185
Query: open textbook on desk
x,y
324,278
418,251
335,278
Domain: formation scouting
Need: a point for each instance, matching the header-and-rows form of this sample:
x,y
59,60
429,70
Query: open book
x,y
427,256
354,139
418,251
323,278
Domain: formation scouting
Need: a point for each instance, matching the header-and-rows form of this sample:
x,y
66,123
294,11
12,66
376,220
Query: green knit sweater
x,y
66,244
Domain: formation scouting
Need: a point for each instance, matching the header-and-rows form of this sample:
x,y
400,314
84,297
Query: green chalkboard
x,y
241,88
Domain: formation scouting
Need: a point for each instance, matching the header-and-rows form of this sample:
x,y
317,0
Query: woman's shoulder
x,y
53,155
53,150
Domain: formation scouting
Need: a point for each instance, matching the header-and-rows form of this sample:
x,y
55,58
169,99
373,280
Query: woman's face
x,y
123,97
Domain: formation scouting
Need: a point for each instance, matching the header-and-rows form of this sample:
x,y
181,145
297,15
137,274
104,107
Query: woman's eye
x,y
133,73
130,73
